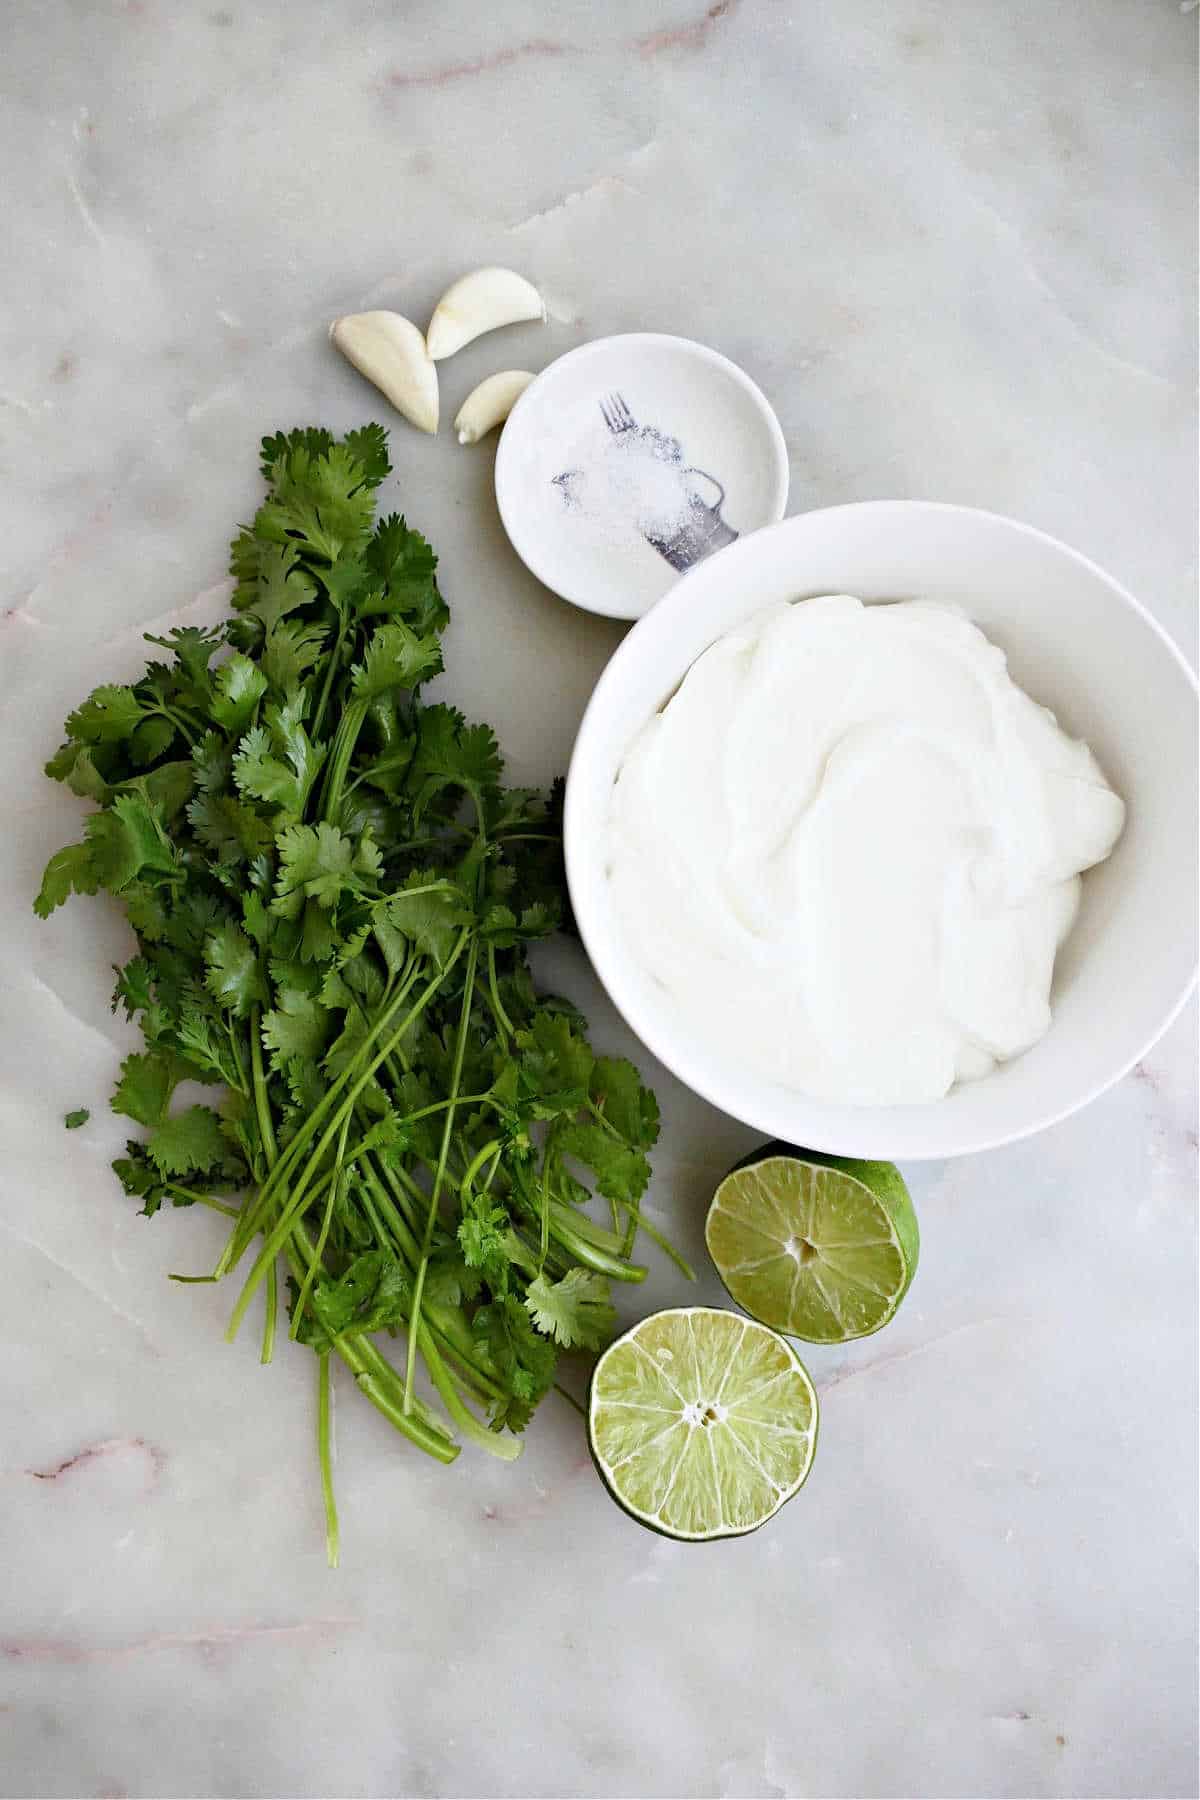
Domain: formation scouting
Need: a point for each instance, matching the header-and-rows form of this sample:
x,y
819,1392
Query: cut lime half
x,y
824,1248
702,1423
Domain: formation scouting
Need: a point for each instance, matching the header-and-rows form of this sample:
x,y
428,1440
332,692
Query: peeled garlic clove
x,y
490,403
391,352
477,303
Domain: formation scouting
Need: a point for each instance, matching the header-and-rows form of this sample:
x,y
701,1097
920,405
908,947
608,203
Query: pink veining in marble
x,y
689,36
479,65
155,1459
216,1638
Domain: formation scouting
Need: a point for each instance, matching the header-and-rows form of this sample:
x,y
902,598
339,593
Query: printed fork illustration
x,y
616,414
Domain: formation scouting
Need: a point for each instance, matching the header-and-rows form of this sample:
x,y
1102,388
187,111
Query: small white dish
x,y
1076,641
629,461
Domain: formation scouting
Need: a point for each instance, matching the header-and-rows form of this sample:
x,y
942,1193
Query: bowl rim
x,y
673,1054
508,493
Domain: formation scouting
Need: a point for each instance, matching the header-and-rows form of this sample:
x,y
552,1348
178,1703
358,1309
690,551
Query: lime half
x,y
702,1423
821,1247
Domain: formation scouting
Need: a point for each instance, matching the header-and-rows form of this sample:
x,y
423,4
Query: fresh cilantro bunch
x,y
333,894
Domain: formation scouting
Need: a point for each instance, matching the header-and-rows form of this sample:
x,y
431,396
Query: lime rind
x,y
702,1423
823,1248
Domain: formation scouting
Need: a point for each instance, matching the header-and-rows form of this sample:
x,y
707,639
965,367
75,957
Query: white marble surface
x,y
955,245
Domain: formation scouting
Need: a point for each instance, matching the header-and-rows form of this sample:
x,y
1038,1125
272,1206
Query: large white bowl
x,y
1076,641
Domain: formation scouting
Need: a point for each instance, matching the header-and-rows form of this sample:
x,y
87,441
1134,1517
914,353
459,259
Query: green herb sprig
x,y
333,895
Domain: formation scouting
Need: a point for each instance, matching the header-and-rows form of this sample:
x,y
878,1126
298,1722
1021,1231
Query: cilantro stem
x,y
460,1051
324,1456
318,1254
254,1214
180,723
446,1322
372,1371
379,1392
193,1198
262,1103
502,1019
232,1035
586,1227
640,1222
631,1230
544,1192
436,1106
296,1198
505,1446
268,1342
489,1150
592,1255
443,1323
408,1195
343,744
376,1376
382,1240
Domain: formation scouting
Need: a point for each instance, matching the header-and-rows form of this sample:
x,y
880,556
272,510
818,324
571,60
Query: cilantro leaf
x,y
73,1120
396,658
402,566
76,764
230,829
150,739
369,447
212,762
125,839
429,913
481,1233
139,1178
234,977
451,753
277,762
193,648
321,503
522,1359
239,687
190,1140
556,1064
291,649
168,787
622,1172
372,1295
69,871
296,1026
133,989
575,1311
271,583
316,863
625,1101
256,918
209,1055
313,439
146,1085
107,716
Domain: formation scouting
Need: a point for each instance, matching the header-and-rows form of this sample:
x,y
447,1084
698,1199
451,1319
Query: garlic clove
x,y
490,403
390,351
479,302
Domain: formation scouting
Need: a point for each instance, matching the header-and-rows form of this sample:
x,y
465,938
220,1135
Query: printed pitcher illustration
x,y
677,506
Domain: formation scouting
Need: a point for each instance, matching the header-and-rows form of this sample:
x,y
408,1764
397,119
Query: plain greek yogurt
x,y
849,847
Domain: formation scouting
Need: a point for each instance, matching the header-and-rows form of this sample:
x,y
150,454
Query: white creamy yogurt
x,y
849,847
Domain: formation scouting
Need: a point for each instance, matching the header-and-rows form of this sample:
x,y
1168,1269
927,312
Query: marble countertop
x,y
954,244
